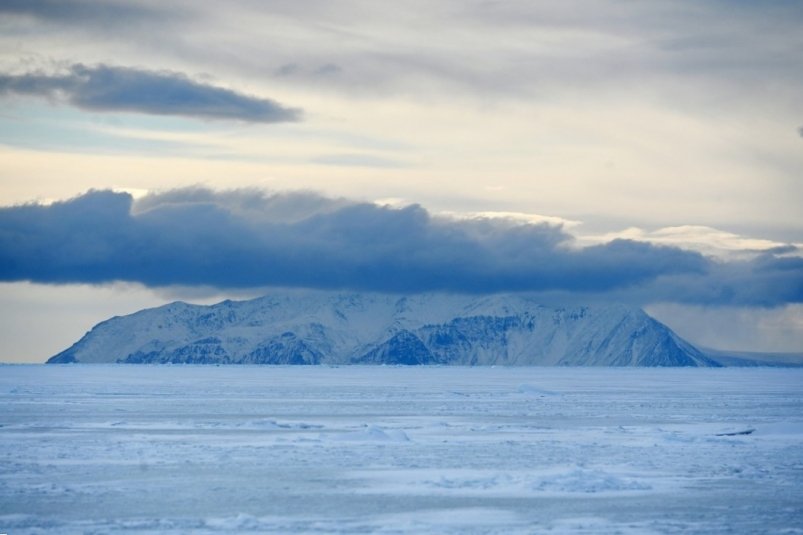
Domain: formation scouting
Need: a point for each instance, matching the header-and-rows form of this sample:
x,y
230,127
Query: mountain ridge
x,y
364,328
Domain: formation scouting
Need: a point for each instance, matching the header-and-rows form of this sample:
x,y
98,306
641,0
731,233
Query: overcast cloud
x,y
241,239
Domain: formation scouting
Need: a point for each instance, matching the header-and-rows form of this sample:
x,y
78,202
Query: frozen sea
x,y
241,449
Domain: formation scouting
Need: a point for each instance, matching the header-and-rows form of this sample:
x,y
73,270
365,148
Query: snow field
x,y
177,449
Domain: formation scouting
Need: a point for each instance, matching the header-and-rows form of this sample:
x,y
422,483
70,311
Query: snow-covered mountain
x,y
338,328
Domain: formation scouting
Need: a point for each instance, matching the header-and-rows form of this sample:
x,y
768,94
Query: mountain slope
x,y
334,328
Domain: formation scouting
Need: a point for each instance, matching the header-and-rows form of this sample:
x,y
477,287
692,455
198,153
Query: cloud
x,y
523,49
122,89
243,239
83,11
357,160
513,218
766,281
703,239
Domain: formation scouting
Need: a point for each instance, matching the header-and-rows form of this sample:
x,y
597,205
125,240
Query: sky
x,y
641,152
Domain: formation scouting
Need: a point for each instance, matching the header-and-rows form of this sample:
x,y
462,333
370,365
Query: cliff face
x,y
331,328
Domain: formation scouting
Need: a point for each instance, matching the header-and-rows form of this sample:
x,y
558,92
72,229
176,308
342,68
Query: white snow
x,y
248,449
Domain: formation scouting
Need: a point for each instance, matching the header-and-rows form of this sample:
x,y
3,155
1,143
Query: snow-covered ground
x,y
209,450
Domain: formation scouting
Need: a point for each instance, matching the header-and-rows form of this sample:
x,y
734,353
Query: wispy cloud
x,y
246,239
108,89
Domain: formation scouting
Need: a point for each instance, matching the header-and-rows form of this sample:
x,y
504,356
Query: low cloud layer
x,y
245,239
108,88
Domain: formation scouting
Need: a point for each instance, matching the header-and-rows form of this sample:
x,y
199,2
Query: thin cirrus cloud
x,y
245,239
123,89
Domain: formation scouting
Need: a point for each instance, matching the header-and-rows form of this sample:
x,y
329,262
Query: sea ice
x,y
210,450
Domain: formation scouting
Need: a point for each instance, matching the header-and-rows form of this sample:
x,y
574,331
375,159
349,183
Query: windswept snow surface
x,y
253,449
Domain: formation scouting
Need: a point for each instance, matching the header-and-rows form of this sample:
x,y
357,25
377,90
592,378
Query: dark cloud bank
x,y
243,239
108,88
